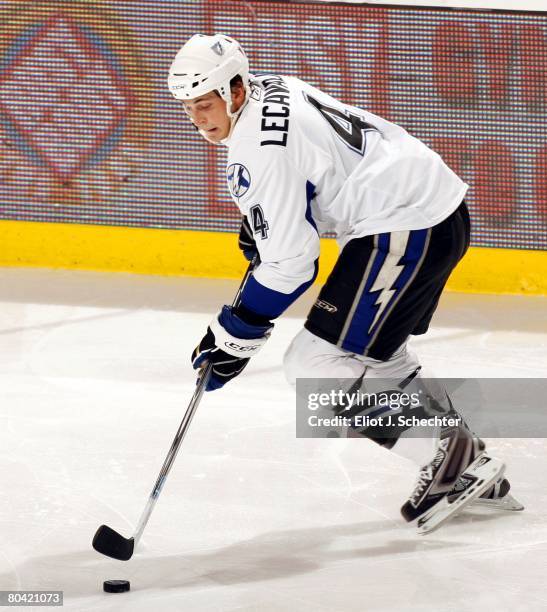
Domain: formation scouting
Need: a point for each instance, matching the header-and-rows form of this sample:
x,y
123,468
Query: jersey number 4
x,y
351,128
258,223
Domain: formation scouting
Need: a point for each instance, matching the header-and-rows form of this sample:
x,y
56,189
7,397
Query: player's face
x,y
208,114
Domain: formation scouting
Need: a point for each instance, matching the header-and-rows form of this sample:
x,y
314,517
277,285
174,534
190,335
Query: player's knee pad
x,y
309,356
400,365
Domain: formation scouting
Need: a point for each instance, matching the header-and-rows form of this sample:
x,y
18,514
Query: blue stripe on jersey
x,y
268,302
310,194
365,324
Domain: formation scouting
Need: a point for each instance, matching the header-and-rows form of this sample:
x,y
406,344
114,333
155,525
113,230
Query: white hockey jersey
x,y
301,163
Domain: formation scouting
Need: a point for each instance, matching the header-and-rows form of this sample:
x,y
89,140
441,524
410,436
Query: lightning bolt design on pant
x,y
388,274
392,266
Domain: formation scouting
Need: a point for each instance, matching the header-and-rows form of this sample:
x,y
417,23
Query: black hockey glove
x,y
229,343
246,240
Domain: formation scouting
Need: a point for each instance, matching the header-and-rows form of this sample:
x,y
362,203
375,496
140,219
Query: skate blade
x,y
503,503
484,471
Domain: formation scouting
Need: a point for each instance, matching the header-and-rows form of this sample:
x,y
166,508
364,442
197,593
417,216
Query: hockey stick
x,y
110,542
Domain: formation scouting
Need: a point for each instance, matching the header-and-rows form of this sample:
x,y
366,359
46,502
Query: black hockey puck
x,y
116,586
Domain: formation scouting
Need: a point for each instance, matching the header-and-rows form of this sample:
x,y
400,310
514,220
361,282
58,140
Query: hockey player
x,y
301,163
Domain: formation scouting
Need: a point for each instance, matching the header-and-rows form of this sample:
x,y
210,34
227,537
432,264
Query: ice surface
x,y
94,379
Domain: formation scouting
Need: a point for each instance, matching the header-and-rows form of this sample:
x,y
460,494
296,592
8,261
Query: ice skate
x,y
434,499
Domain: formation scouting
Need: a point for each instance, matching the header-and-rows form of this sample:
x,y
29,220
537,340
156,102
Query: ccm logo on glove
x,y
243,349
229,343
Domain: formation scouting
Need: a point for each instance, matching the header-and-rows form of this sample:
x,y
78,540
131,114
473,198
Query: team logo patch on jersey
x,y
239,180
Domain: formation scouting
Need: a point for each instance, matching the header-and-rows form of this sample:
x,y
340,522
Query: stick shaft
x,y
183,428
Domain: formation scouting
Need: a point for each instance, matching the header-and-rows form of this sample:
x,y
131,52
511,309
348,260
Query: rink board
x,y
216,255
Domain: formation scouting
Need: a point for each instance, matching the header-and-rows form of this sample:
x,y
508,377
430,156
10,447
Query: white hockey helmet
x,y
208,63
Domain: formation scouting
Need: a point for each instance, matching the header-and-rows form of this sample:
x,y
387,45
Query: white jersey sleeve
x,y
271,191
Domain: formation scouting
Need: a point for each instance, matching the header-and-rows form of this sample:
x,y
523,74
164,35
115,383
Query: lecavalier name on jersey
x,y
275,112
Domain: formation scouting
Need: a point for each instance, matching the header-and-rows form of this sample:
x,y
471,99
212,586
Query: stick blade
x,y
110,543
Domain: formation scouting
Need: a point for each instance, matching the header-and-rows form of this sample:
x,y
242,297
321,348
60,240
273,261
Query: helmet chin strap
x,y
235,116
232,116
